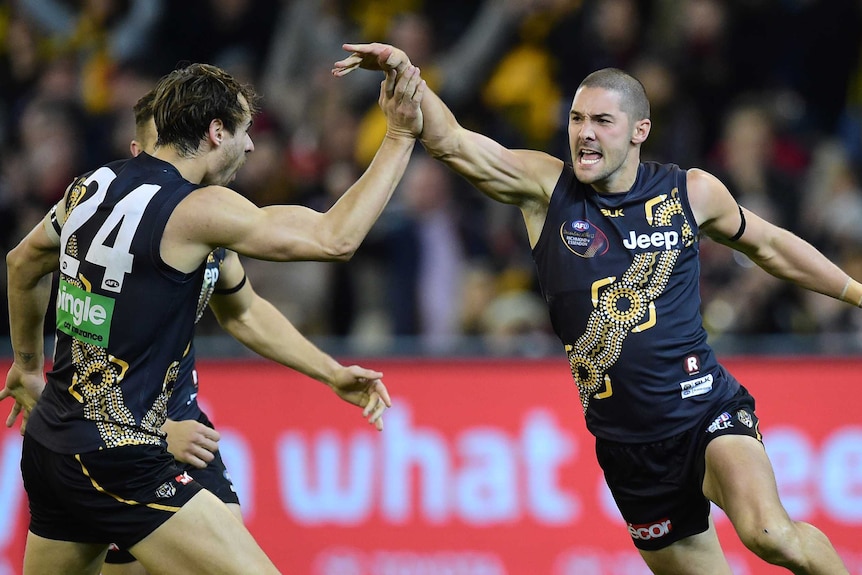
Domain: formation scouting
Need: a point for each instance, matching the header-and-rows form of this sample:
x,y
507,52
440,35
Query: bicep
x,y
722,219
509,176
716,212
37,255
219,217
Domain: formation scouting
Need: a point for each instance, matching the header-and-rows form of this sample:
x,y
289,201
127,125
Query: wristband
x,y
852,292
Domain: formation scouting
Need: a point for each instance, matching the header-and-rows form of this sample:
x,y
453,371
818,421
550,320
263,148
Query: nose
x,y
586,132
249,145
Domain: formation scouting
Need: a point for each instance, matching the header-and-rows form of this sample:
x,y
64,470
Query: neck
x,y
192,168
621,181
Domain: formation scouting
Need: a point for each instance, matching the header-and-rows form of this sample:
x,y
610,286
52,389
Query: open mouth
x,y
588,157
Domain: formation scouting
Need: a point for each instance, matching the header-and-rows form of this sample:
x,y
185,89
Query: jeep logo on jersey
x,y
583,238
661,240
646,531
84,315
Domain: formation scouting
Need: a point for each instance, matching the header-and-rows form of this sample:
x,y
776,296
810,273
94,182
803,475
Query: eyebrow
x,y
599,116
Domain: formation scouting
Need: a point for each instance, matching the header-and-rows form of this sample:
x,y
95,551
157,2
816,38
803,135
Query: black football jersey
x,y
125,318
620,274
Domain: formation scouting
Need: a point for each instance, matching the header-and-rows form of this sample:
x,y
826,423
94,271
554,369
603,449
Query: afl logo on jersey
x,y
583,238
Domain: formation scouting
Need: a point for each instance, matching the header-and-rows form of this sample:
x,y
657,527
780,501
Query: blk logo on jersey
x,y
694,387
584,239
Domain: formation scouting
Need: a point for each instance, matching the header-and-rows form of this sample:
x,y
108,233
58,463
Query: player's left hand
x,y
363,387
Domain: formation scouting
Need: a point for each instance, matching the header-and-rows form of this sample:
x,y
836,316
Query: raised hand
x,y
374,56
400,98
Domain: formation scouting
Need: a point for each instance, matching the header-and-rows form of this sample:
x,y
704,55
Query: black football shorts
x,y
658,486
116,495
213,477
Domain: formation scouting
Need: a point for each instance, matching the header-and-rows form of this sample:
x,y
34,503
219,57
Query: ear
x,y
641,131
216,132
135,148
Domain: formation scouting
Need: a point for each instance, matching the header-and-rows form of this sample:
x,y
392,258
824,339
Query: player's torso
x,y
620,275
124,317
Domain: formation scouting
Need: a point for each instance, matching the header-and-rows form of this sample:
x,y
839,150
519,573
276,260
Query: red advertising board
x,y
485,468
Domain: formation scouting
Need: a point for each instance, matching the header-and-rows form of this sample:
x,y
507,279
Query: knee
x,y
775,544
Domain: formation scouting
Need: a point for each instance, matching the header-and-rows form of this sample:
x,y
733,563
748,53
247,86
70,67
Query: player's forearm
x,y
264,330
348,221
439,127
791,258
28,298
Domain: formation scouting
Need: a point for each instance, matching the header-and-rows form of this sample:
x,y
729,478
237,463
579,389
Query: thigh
x,y
739,478
202,537
133,568
693,555
48,557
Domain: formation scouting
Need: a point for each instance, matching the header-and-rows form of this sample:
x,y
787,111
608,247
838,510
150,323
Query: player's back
x,y
124,317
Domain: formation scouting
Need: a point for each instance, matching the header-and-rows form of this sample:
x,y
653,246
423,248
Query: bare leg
x,y
135,567
203,537
49,557
740,480
696,555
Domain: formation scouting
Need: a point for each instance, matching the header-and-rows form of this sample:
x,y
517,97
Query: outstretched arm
x,y
776,250
258,325
524,178
218,217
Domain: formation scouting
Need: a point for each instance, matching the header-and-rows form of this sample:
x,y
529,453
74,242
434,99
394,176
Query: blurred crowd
x,y
766,94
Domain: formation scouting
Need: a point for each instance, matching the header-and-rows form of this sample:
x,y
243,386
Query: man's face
x,y
601,139
232,150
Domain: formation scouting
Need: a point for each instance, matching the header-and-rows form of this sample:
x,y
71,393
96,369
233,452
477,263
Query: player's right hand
x,y
374,56
191,441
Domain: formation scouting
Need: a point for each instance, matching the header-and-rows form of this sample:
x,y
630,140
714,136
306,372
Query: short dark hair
x,y
634,101
143,108
189,98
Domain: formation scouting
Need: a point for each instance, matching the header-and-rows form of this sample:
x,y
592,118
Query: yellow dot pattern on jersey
x,y
624,304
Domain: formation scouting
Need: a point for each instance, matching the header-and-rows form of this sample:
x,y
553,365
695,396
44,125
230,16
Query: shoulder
x,y
703,187
213,215
543,167
712,204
